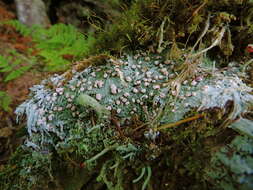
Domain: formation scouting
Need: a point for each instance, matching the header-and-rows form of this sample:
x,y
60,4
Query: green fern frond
x,y
55,42
12,70
21,28
5,101
16,73
3,61
59,40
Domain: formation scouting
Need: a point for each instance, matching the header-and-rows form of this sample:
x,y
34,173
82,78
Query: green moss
x,y
63,120
64,123
26,170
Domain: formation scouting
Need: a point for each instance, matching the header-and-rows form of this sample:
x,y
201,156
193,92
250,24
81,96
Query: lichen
x,y
112,117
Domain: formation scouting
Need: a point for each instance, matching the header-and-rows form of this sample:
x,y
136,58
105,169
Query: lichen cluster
x,y
225,170
125,87
123,115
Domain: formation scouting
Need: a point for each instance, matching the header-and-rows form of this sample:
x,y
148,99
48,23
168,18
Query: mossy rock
x,y
121,120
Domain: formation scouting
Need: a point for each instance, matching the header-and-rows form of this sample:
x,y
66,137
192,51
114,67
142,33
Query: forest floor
x,y
17,89
15,46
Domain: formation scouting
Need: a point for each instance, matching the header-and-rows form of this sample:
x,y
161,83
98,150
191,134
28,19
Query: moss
x,y
27,170
168,118
156,25
147,125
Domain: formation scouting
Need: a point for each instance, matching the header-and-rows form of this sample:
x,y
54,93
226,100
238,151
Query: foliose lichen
x,y
122,108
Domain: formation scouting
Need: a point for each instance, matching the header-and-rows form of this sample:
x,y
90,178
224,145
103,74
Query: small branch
x,y
159,50
188,66
197,10
215,43
171,125
207,25
141,126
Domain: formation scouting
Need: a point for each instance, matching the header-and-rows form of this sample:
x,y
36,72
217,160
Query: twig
x,y
176,84
215,43
159,50
139,127
196,11
170,125
207,25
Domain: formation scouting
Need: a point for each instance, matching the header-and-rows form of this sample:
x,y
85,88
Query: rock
x,y
32,12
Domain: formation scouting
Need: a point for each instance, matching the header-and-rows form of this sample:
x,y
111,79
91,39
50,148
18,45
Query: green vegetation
x,y
13,68
159,25
55,43
141,130
23,170
225,170
141,119
54,50
5,101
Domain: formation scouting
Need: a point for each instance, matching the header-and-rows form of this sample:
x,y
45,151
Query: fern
x,y
21,28
4,64
5,101
58,41
55,42
12,70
